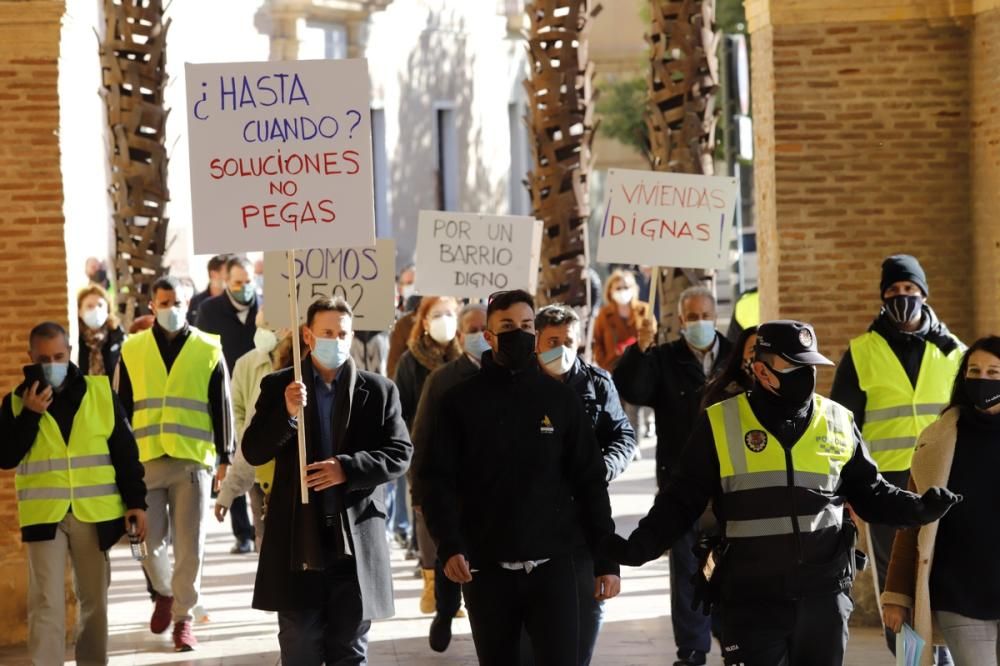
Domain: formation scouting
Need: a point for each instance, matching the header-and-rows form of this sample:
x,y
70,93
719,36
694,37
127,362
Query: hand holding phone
x,y
38,392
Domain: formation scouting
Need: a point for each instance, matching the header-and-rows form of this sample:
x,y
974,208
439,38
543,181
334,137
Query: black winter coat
x,y
111,350
375,449
410,377
515,472
614,433
671,380
218,316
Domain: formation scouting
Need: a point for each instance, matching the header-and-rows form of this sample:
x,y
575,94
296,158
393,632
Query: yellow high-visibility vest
x,y
896,412
752,459
55,476
172,416
747,310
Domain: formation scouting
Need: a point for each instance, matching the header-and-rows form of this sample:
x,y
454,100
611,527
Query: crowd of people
x,y
479,437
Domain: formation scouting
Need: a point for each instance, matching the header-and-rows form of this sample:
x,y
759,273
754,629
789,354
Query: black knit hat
x,y
900,267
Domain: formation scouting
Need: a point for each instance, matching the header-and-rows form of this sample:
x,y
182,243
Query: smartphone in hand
x,y
34,373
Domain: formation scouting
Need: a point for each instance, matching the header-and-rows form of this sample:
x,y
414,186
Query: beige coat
x,y
908,580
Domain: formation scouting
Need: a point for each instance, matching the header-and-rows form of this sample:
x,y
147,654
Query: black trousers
x,y
809,631
335,635
240,519
543,601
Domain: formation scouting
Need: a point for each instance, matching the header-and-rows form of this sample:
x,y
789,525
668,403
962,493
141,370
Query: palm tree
x,y
133,64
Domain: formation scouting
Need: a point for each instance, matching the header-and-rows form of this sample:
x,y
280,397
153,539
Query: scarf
x,y
931,329
94,340
430,354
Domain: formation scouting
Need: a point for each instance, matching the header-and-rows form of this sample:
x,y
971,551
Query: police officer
x,y
896,378
173,384
779,463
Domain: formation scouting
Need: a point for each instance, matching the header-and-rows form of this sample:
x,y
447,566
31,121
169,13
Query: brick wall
x,y
870,157
985,46
32,251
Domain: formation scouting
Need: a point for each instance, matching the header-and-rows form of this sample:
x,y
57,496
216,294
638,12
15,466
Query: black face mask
x,y
904,309
984,393
516,349
797,386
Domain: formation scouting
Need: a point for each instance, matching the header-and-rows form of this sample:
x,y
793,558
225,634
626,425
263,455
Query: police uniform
x,y
779,473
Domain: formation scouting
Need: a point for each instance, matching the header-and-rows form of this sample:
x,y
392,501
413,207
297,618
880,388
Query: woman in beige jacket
x,y
947,574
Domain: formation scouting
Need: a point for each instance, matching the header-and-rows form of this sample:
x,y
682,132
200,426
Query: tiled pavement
x,y
636,631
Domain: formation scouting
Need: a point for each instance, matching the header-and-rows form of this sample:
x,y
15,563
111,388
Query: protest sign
x,y
667,219
467,255
280,155
364,277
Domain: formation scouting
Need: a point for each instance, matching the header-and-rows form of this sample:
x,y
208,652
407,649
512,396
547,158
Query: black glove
x,y
935,503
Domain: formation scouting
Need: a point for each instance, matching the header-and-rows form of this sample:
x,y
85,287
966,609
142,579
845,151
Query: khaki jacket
x,y
612,334
907,582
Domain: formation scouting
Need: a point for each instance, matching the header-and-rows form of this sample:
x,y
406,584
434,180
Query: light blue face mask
x,y
475,344
558,360
332,352
700,334
55,373
246,294
171,320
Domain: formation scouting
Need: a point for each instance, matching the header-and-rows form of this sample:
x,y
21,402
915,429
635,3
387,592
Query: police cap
x,y
794,341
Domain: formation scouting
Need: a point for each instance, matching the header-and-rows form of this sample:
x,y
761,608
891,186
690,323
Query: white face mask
x,y
622,296
443,329
265,340
559,360
95,317
406,291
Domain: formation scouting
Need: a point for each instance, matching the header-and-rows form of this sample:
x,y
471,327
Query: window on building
x,y
518,197
447,160
320,40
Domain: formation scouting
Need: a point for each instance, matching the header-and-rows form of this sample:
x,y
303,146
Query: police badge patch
x,y
756,440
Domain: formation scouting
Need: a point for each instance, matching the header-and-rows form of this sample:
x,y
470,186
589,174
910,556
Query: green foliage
x,y
622,107
730,16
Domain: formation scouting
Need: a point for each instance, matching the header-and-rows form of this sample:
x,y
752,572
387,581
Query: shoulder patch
x,y
756,440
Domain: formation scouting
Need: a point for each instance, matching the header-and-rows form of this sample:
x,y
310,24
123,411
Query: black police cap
x,y
794,341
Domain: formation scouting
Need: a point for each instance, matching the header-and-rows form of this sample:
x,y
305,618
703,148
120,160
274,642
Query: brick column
x,y
32,251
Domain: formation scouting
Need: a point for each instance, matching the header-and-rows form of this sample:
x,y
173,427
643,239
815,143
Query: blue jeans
x,y
397,516
335,635
692,628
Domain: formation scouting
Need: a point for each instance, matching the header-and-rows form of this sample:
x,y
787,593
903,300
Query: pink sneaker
x,y
184,640
160,621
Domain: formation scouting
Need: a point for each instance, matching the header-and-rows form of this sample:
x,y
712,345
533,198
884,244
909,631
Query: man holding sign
x,y
324,566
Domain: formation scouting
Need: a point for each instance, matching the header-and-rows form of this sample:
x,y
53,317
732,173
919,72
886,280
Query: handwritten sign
x,y
280,155
364,277
467,255
667,219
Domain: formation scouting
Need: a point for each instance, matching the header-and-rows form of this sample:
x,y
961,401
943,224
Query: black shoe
x,y
440,637
692,658
242,547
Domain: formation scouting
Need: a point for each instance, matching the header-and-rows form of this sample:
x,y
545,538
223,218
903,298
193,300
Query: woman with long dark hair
x,y
945,576
736,377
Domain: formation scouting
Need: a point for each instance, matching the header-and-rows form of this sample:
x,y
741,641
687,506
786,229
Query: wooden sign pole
x,y
293,304
654,288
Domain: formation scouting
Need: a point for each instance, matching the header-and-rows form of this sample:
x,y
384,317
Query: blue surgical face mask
x,y
475,344
558,360
171,319
700,334
332,352
55,373
244,295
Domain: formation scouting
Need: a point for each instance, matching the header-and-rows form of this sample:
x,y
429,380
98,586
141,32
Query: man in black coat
x,y
671,378
324,566
514,476
558,329
232,316
216,286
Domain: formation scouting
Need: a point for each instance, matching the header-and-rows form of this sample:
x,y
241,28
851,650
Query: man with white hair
x,y
670,378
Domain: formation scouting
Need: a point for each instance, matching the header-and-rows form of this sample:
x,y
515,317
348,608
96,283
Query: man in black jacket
x,y
232,316
216,286
515,474
671,378
558,328
324,566
778,465
74,422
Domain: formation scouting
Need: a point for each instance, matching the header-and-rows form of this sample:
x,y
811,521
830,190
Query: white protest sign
x,y
468,255
667,219
364,277
280,155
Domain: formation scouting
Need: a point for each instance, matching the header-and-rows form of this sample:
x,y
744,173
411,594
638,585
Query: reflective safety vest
x,y
751,459
55,476
171,415
264,476
896,412
747,310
